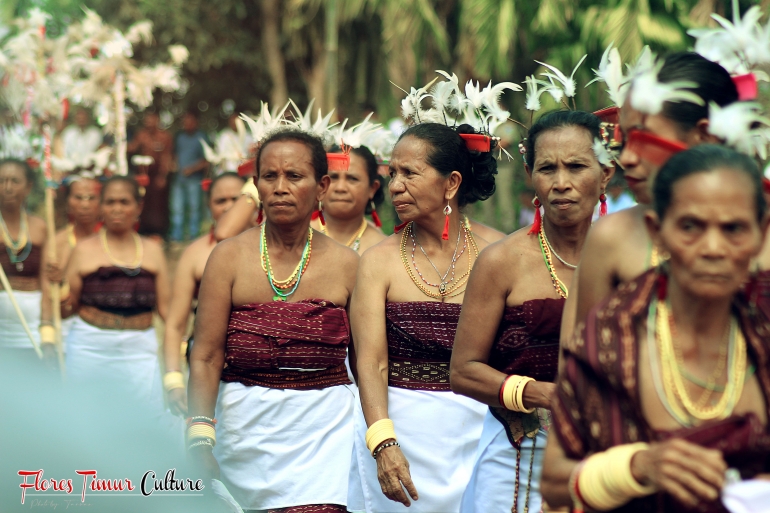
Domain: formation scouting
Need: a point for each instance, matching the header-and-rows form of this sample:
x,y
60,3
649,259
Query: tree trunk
x,y
271,44
331,45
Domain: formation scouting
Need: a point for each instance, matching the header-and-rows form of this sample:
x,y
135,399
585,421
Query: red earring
x,y
445,233
260,216
602,205
375,217
321,213
538,220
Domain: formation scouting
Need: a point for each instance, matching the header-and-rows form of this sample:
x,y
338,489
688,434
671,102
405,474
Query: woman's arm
x,y
367,320
176,324
162,286
73,277
237,219
483,308
557,468
208,353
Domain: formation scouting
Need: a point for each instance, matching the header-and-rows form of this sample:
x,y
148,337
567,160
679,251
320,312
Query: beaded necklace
x,y
71,239
561,289
285,288
134,267
18,250
355,241
554,253
451,291
443,283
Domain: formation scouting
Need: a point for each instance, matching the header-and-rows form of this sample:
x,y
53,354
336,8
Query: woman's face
x,y
639,172
83,201
223,196
119,208
14,187
287,183
416,188
711,232
349,191
567,176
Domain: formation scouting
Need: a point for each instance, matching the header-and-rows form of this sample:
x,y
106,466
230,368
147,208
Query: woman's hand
x,y
54,273
203,459
690,473
393,474
538,394
176,399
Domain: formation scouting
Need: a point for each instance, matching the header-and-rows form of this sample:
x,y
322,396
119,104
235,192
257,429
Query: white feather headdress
x,y
742,127
321,126
648,94
266,122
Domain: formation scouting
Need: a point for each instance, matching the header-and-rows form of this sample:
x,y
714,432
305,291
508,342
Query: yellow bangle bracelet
x,y
172,380
379,432
201,430
513,392
250,189
47,335
606,481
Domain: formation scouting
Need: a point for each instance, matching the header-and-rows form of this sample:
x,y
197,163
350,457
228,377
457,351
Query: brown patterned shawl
x,y
597,404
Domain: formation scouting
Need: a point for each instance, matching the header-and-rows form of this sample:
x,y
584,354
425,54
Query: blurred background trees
x,y
345,53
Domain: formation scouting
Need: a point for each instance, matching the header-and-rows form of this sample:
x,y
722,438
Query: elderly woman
x,y
352,194
270,346
619,249
666,386
23,241
508,334
222,194
407,301
117,279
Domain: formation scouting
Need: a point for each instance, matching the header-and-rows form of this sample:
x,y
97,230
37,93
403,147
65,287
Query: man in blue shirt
x,y
186,192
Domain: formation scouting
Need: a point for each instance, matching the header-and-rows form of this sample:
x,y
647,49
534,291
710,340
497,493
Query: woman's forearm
x,y
172,345
478,381
373,389
203,386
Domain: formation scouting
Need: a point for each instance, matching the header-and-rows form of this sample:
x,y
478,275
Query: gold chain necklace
x,y
559,285
117,263
673,381
449,292
355,241
71,239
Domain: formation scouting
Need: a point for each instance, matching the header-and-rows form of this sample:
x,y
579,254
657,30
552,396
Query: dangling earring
x,y
538,220
260,215
375,217
602,205
321,213
445,233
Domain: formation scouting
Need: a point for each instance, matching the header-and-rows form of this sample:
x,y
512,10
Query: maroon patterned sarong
x,y
312,508
420,338
299,345
30,267
598,406
112,290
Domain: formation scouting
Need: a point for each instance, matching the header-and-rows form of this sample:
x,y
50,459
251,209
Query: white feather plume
x,y
611,73
356,135
602,154
648,94
567,84
741,126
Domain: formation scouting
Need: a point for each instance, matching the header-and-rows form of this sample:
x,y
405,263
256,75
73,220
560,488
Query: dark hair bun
x,y
449,153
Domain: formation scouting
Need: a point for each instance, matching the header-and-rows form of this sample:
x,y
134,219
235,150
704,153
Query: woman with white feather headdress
x,y
669,105
416,440
354,190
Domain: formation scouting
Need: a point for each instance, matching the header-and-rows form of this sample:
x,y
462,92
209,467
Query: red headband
x,y
608,115
247,168
652,148
338,161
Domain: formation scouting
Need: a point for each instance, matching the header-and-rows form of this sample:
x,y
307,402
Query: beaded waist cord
x,y
291,379
419,374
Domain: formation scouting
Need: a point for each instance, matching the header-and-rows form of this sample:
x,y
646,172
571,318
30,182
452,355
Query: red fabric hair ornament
x,y
247,168
206,184
747,86
477,142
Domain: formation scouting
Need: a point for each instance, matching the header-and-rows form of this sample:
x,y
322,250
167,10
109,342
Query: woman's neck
x,y
83,230
567,241
11,214
428,231
120,237
702,321
288,237
341,230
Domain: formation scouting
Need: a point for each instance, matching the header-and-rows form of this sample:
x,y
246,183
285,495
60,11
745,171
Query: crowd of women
x,y
446,367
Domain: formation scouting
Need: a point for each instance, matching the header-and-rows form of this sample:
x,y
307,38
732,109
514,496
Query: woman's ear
x,y
607,173
653,223
701,135
323,187
373,188
453,182
527,169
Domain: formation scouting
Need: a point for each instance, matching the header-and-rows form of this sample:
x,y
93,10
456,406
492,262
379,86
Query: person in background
x,y
229,142
225,190
186,191
618,195
154,142
81,139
